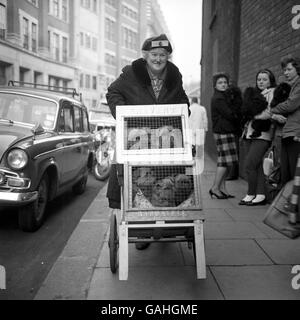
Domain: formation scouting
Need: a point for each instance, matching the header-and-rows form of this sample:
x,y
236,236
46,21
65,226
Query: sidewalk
x,y
245,258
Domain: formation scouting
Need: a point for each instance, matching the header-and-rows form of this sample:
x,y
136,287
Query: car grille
x,y
8,174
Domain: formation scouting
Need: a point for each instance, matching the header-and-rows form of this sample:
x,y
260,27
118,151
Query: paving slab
x,y
229,253
153,283
270,232
217,215
69,279
246,214
158,254
86,240
256,282
209,203
282,251
232,230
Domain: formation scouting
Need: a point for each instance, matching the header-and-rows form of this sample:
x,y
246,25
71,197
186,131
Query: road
x,y
28,257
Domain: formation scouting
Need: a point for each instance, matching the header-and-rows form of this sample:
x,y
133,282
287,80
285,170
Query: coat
x,y
224,118
291,109
133,87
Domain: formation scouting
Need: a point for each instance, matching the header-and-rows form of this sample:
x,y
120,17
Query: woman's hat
x,y
160,41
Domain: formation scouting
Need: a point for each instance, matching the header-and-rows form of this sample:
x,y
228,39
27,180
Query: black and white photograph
x,y
149,153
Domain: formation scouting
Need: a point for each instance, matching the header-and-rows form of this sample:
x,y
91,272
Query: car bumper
x,y
9,198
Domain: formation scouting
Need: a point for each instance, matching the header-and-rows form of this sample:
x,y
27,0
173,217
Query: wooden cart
x,y
161,192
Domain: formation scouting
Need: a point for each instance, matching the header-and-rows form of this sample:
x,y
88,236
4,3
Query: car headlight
x,y
17,159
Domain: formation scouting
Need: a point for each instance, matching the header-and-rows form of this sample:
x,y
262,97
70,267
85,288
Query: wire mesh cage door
x,y
157,133
162,192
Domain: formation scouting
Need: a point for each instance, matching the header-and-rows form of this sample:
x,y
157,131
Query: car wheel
x,y
31,216
80,186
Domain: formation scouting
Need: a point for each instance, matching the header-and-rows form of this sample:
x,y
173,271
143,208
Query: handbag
x,y
277,217
268,163
275,175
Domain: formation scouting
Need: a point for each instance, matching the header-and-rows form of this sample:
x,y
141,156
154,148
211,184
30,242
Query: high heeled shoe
x,y
213,194
229,196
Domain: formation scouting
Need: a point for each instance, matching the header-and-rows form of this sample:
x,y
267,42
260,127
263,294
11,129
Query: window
x,y
81,39
110,59
87,81
66,119
56,8
25,33
109,30
2,21
81,80
65,50
85,121
87,41
28,31
77,119
95,44
34,37
95,83
130,13
64,10
59,9
56,46
129,39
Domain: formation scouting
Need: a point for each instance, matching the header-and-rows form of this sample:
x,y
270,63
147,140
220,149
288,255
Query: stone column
x,y
13,23
43,29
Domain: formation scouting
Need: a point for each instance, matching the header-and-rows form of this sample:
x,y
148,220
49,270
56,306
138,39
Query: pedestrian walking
x,y
225,122
258,135
198,125
150,80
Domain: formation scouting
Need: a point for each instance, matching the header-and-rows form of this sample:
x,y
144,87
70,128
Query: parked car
x,y
46,148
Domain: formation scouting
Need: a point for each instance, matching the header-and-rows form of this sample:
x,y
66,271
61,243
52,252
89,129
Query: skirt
x,y
227,149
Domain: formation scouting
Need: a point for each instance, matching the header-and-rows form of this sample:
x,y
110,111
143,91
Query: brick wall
x,y
251,34
220,49
266,36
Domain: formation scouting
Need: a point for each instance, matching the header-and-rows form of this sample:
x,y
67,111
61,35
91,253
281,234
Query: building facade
x,y
36,42
74,43
242,36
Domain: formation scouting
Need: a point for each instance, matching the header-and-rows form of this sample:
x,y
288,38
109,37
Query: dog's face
x,y
281,93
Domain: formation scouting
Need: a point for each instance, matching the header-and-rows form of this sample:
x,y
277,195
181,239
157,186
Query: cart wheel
x,y
113,244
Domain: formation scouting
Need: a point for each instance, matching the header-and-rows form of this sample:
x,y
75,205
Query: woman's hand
x,y
279,118
265,115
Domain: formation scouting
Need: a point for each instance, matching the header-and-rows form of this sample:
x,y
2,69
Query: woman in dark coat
x,y
226,124
147,81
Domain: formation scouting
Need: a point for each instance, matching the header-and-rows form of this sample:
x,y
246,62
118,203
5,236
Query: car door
x,y
72,144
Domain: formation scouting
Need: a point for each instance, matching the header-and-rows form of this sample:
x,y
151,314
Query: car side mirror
x,y
38,129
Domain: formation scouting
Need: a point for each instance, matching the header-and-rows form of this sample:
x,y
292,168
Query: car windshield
x,y
30,110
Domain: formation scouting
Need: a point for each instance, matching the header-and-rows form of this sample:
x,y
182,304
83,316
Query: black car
x,y
46,147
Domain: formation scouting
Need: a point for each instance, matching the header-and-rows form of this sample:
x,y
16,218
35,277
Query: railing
x,y
64,90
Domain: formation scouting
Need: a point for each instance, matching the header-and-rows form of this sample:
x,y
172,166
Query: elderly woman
x,y
150,80
225,121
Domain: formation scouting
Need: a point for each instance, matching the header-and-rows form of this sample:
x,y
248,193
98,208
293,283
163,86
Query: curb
x,y
71,274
